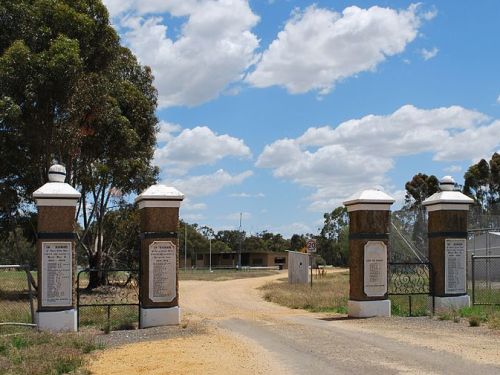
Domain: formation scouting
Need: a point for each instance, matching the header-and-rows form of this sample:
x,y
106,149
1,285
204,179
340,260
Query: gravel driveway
x,y
229,328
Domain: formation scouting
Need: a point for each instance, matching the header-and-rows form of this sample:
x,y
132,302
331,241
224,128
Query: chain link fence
x,y
485,279
17,298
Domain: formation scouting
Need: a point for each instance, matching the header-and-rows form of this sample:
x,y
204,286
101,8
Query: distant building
x,y
230,259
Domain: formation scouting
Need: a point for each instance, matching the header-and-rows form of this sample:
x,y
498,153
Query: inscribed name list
x,y
454,267
375,270
57,274
162,271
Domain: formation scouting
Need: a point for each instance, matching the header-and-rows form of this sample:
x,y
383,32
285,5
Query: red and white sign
x,y
311,246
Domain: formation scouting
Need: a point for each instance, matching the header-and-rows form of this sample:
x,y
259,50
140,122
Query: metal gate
x,y
414,281
114,304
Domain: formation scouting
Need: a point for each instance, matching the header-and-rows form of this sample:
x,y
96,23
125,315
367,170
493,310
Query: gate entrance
x,y
409,269
114,304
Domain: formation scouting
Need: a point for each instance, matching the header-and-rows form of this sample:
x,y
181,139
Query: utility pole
x,y
210,247
185,246
239,247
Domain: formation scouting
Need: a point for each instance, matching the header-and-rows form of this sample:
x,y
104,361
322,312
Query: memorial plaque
x,y
375,271
57,274
454,266
162,271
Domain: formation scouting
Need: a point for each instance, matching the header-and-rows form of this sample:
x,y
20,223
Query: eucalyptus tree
x,y
69,92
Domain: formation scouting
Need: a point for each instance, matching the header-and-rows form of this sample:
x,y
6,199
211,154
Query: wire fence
x,y
17,298
485,279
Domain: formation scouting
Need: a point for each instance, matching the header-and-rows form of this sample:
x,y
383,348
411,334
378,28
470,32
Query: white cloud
x,y
165,131
453,169
188,205
235,216
357,154
192,217
428,54
498,99
247,195
197,146
203,185
294,228
318,47
214,47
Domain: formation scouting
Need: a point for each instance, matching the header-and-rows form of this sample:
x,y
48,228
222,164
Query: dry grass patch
x,y
222,275
44,353
329,293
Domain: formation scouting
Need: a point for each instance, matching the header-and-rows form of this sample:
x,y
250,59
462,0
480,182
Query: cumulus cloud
x,y
358,153
428,54
247,195
318,47
203,185
197,146
453,169
214,47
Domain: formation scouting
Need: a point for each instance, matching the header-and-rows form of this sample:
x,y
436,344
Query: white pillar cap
x,y
447,198
56,192
369,200
159,196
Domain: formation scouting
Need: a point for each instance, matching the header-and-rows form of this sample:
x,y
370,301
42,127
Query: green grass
x,y
222,275
38,353
475,315
328,294
121,317
400,305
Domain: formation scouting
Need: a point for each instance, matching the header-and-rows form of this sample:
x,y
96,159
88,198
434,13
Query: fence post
x,y
56,255
447,232
473,259
369,218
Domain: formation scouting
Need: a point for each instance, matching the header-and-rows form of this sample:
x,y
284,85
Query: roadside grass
x,y
475,315
329,293
222,275
120,317
409,305
37,353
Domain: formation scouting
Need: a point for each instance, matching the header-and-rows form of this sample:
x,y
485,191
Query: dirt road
x,y
241,333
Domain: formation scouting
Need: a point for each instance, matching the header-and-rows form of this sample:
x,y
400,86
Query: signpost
x,y
311,248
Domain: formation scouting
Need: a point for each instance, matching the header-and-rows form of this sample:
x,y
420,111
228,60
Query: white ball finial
x,y
57,173
447,183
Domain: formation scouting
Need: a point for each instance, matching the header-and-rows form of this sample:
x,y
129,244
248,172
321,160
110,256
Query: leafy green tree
x,y
419,188
69,92
482,183
197,243
297,242
333,241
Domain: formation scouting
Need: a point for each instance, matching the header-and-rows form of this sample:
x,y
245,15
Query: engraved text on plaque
x,y
375,272
454,267
57,274
162,271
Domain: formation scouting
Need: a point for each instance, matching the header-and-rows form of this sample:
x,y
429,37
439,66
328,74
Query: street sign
x,y
311,246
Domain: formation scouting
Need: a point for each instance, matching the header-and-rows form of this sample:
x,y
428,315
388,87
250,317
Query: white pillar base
x,y
57,321
156,317
450,303
368,309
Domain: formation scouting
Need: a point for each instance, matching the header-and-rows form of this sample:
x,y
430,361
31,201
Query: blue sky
x,y
283,109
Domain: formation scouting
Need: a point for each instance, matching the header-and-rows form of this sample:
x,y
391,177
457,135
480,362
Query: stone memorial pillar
x,y
56,256
159,220
369,218
447,231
